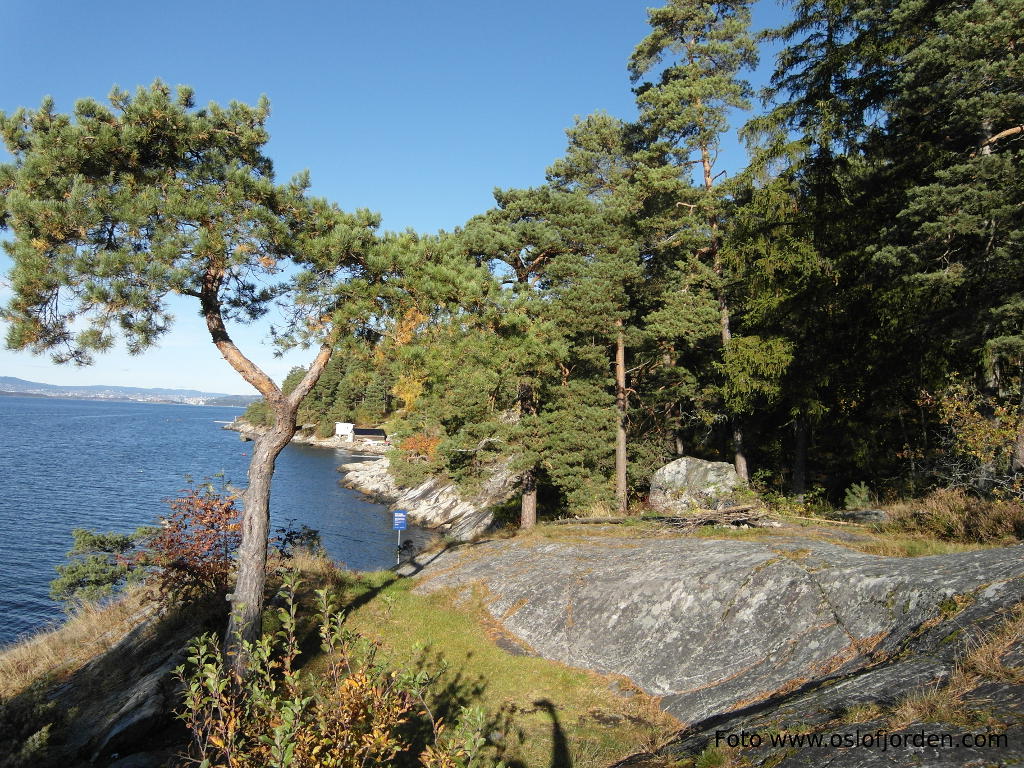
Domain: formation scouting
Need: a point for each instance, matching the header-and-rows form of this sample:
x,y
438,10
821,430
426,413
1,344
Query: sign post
x,y
399,525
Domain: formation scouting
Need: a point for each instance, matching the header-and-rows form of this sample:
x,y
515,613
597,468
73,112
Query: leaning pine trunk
x,y
245,624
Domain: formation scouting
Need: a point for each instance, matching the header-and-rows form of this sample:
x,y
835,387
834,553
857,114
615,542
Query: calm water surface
x,y
107,465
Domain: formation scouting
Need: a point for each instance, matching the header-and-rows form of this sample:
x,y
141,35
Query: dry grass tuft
x,y
595,509
317,567
985,658
952,514
916,545
982,662
56,653
864,712
935,704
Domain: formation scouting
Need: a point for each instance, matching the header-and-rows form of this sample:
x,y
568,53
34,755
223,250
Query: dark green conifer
x,y
113,209
698,50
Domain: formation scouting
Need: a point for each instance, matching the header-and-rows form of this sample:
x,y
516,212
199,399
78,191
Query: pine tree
x,y
599,166
520,240
698,49
114,209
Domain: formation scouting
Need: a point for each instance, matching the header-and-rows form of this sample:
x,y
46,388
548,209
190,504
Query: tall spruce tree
x,y
956,130
115,209
892,120
599,166
698,50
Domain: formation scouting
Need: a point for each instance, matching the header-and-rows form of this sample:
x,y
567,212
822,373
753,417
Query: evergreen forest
x,y
846,310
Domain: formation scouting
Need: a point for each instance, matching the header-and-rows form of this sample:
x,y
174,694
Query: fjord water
x,y
108,465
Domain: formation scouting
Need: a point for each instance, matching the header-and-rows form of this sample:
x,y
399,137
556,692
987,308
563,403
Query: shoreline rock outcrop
x,y
435,503
306,435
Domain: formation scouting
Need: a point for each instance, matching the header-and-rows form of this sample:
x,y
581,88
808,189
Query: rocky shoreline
x,y
306,435
436,503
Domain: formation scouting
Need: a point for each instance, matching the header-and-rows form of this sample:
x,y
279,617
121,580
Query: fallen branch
x,y
727,515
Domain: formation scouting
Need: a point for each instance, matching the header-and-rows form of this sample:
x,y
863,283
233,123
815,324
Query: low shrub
x,y
193,551
100,565
354,712
188,556
977,440
409,473
857,497
290,541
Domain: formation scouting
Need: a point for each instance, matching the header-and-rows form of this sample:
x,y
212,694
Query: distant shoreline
x,y
86,398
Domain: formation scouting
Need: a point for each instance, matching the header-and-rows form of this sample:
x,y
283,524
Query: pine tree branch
x,y
209,299
316,368
999,137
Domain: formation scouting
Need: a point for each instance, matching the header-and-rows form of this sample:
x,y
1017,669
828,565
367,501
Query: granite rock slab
x,y
724,629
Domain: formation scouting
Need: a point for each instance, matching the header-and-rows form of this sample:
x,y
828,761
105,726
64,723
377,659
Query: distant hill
x,y
14,386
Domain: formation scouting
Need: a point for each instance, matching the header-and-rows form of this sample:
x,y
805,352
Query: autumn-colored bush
x,y
193,551
420,446
189,555
354,713
977,441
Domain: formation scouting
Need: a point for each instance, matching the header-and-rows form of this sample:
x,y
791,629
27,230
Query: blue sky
x,y
416,110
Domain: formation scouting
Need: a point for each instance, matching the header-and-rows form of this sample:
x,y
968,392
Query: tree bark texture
x,y
798,481
245,623
528,505
528,508
740,461
621,404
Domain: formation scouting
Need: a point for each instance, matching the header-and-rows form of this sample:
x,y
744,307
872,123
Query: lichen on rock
x,y
690,482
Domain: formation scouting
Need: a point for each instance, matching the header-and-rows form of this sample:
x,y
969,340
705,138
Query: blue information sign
x,y
399,524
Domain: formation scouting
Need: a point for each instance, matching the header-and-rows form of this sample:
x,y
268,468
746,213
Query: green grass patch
x,y
541,712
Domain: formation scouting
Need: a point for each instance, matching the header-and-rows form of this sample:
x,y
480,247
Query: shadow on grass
x,y
560,757
455,688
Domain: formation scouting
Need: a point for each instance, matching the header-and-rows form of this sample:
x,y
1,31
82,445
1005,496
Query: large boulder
x,y
689,482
